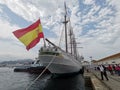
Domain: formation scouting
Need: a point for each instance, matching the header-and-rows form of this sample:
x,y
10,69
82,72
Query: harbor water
x,y
10,80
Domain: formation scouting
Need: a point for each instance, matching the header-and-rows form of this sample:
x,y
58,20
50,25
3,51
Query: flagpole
x,y
43,37
44,42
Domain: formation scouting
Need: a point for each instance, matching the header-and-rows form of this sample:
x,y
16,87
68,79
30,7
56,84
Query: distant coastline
x,y
16,63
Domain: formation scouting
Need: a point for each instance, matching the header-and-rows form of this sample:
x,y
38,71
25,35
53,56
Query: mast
x,y
70,35
71,41
65,23
74,47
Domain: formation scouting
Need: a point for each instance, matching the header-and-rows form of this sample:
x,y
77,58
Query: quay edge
x,y
96,83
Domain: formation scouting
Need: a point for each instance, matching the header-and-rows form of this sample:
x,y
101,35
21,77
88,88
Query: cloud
x,y
10,46
1,10
6,29
30,10
95,23
89,2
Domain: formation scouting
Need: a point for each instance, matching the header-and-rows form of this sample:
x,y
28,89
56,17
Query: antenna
x,y
65,8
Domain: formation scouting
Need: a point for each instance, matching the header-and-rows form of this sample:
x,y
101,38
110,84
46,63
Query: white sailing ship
x,y
61,62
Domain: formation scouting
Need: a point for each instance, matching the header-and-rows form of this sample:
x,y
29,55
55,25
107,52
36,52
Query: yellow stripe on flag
x,y
30,36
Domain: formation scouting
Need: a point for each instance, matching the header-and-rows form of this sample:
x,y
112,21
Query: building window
x,y
113,61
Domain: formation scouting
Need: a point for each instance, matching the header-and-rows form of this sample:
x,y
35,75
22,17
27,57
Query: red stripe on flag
x,y
35,41
21,32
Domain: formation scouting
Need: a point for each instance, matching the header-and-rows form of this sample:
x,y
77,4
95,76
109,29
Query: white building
x,y
85,63
113,59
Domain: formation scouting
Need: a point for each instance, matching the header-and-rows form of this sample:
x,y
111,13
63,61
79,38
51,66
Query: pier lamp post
x,y
90,61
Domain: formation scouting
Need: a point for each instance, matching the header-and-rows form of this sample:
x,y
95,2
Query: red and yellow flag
x,y
31,35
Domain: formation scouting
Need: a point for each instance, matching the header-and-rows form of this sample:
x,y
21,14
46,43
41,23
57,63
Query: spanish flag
x,y
30,35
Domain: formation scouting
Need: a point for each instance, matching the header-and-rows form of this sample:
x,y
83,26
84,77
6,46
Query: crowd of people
x,y
113,69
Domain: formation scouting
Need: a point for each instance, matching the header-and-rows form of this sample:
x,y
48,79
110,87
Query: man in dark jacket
x,y
103,72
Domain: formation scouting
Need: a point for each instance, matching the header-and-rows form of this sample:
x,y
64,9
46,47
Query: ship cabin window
x,y
50,53
47,49
113,61
41,49
55,49
37,62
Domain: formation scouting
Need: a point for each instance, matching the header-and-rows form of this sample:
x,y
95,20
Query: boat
x,y
62,62
34,68
37,68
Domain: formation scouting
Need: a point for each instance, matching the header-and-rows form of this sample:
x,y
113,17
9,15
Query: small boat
x,y
21,69
58,61
35,68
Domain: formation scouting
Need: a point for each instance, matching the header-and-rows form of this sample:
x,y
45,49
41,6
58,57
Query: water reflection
x,y
10,80
70,83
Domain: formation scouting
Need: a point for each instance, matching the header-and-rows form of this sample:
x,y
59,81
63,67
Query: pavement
x,y
112,84
96,83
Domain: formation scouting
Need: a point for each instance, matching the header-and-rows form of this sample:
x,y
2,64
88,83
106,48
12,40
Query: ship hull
x,y
60,65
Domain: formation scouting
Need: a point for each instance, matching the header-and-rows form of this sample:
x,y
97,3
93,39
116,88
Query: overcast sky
x,y
96,24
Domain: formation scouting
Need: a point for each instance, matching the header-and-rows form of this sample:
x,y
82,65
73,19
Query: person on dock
x,y
82,70
118,69
110,69
113,66
103,72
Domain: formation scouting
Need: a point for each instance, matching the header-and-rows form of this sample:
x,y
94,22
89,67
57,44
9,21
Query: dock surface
x,y
113,83
96,83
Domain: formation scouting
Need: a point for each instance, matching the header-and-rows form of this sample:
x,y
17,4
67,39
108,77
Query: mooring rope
x,y
60,39
27,88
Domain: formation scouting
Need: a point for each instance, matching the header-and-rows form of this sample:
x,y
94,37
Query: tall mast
x,y
71,41
65,23
71,34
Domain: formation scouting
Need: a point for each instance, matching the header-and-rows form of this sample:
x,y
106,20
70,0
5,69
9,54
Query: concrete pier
x,y
98,84
113,83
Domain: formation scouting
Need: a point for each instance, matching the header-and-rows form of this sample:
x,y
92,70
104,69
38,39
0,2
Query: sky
x,y
96,24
